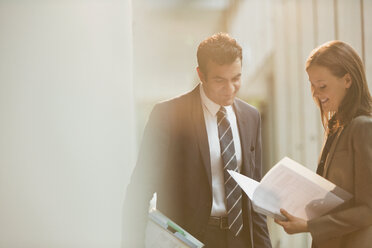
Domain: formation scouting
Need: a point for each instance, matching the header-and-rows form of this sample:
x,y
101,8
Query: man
x,y
189,144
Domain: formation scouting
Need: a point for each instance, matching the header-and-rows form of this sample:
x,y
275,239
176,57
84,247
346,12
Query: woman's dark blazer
x,y
348,165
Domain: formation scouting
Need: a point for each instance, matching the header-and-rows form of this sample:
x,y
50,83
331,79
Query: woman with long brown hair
x,y
339,88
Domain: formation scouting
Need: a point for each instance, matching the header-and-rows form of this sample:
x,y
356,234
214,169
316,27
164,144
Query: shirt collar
x,y
211,106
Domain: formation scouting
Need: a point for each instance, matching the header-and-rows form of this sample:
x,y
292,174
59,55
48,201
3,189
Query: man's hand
x,y
292,224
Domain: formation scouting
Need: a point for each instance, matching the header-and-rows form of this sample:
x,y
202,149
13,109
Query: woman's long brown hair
x,y
340,58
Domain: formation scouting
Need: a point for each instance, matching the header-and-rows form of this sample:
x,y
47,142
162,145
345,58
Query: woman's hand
x,y
292,224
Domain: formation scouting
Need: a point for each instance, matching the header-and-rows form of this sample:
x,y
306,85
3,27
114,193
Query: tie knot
x,y
222,111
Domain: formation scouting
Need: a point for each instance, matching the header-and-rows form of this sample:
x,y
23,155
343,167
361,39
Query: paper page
x,y
247,184
315,178
269,213
304,197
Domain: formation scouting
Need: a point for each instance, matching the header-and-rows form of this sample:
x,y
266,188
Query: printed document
x,y
293,187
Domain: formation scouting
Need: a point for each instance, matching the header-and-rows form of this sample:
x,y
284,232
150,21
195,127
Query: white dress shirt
x,y
210,110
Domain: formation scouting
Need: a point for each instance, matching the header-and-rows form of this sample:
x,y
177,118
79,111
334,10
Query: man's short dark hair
x,y
220,48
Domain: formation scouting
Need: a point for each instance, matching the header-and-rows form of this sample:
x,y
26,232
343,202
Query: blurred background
x,y
78,80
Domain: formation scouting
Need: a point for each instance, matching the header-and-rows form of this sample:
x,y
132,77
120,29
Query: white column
x,y
66,123
368,41
324,21
350,23
311,123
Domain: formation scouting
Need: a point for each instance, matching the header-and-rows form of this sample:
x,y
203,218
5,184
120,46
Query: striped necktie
x,y
232,190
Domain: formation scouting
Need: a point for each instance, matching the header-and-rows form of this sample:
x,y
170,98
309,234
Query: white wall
x,y
367,20
66,126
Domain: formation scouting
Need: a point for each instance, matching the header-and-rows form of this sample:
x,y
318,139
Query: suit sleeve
x,y
360,215
261,237
145,178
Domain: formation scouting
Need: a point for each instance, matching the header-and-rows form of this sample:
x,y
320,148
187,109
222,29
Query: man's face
x,y
222,82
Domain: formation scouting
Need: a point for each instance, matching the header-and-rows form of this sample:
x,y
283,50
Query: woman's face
x,y
326,88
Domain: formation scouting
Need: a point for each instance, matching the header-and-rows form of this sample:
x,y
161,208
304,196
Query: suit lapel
x,y
332,152
201,132
244,133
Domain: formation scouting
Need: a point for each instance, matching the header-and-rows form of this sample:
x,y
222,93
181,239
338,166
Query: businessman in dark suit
x,y
188,145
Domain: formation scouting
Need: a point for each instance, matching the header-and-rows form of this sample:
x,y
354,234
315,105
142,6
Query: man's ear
x,y
201,75
348,80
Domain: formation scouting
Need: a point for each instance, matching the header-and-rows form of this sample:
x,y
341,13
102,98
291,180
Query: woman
x,y
339,88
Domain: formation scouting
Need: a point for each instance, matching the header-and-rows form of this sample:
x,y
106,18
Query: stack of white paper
x,y
293,187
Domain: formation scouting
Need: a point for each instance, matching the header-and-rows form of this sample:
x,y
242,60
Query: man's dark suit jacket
x,y
174,162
